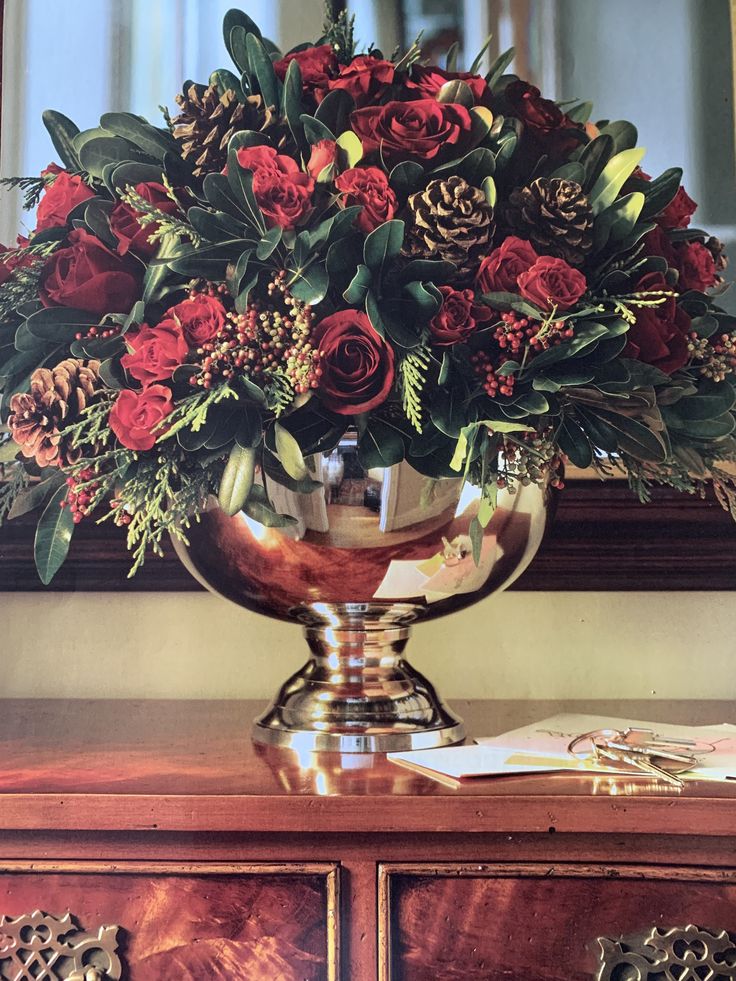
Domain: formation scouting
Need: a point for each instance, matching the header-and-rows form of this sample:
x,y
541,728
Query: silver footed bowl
x,y
371,553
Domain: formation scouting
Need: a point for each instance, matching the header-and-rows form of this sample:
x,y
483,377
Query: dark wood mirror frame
x,y
602,538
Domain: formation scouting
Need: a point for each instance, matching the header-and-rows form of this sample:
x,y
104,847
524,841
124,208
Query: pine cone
x,y
451,220
208,120
56,399
555,215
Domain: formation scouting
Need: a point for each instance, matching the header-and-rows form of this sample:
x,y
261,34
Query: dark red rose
x,y
88,276
544,121
551,283
357,364
427,80
365,79
499,271
318,66
368,187
155,352
696,266
658,242
60,197
132,236
200,317
324,154
136,416
425,130
678,212
458,317
660,335
282,190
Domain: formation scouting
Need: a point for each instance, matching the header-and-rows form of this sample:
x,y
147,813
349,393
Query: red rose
x,y
365,79
552,283
421,130
499,271
131,235
696,266
283,192
357,364
324,155
136,416
89,276
200,317
368,187
318,66
543,119
658,242
427,80
60,197
660,335
156,352
678,212
458,316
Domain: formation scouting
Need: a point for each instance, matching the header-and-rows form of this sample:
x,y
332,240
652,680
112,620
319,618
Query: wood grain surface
x,y
538,922
190,765
601,539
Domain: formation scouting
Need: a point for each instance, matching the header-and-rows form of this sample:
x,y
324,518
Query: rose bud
x,y
323,160
60,198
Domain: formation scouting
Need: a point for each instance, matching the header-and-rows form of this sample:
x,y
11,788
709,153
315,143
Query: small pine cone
x,y
555,215
450,220
718,250
208,120
57,398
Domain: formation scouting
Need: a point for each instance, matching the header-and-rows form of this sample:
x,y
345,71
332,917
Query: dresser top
x,y
120,765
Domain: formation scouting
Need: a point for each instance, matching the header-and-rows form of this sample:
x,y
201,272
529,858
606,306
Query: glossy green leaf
x,y
613,177
258,507
358,288
574,443
382,244
499,66
315,130
334,111
623,134
458,92
62,132
660,192
262,67
594,158
351,149
53,536
292,104
406,178
237,479
139,132
289,453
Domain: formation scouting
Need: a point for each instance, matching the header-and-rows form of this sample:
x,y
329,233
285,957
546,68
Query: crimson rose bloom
x,y
318,65
132,236
200,317
283,192
543,119
368,187
458,316
658,242
499,271
659,336
422,130
135,415
357,364
678,212
365,79
59,198
552,283
89,276
324,154
156,352
427,80
695,265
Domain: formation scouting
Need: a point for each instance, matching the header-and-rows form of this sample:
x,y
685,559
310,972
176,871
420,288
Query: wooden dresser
x,y
151,841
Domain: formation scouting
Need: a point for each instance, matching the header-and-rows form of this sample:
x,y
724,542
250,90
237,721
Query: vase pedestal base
x,y
357,694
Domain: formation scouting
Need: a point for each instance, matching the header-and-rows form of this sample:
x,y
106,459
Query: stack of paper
x,y
542,748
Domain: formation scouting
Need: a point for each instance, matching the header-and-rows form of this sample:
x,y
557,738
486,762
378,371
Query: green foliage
x,y
412,379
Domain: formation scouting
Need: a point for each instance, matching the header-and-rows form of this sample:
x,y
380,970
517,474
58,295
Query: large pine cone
x,y
56,400
208,120
450,220
555,215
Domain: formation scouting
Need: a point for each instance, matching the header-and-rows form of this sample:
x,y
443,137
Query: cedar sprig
x,y
166,225
14,481
339,31
412,379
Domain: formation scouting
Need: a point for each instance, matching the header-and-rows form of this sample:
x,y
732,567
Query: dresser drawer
x,y
554,923
164,922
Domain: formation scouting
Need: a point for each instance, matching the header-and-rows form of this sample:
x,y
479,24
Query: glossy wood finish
x,y
474,923
187,923
602,538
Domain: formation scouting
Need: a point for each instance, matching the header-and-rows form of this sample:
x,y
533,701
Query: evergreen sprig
x,y
166,224
14,481
412,379
339,31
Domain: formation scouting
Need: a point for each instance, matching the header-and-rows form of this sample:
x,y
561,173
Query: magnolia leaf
x,y
262,67
357,290
594,158
289,453
623,134
499,66
53,536
237,479
62,132
489,189
258,507
140,133
383,243
457,92
316,130
613,177
351,147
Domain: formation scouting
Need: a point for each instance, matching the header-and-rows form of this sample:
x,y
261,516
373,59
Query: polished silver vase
x,y
372,552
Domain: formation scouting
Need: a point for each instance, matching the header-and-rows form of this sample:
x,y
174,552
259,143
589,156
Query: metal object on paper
x,y
371,553
641,749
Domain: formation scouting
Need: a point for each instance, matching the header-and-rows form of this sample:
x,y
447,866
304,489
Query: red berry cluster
x,y
81,493
99,332
516,331
717,356
268,337
493,383
122,517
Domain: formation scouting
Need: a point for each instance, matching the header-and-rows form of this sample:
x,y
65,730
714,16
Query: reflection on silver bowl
x,y
371,553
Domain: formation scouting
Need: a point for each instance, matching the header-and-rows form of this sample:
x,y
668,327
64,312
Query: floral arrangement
x,y
479,280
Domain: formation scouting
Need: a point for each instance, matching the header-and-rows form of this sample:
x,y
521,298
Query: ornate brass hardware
x,y
39,947
681,954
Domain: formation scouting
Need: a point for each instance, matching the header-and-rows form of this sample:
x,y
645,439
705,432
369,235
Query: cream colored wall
x,y
516,645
